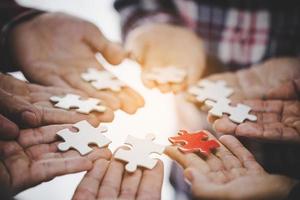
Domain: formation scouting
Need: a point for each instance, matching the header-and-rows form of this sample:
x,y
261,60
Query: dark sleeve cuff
x,y
140,12
295,192
6,63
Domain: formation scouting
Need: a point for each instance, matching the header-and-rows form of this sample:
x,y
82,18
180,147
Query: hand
x,y
232,173
28,105
261,81
109,180
276,121
34,158
55,49
162,45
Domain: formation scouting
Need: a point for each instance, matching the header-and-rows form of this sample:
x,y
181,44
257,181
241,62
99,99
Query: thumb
x,y
8,129
111,51
18,110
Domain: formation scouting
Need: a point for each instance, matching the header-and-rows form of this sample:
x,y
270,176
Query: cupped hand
x,y
231,173
163,45
109,180
33,158
28,105
277,121
277,78
54,49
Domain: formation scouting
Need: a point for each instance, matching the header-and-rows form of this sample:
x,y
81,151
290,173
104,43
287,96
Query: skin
x,y
109,180
54,49
277,121
257,83
162,45
230,173
33,158
277,78
27,105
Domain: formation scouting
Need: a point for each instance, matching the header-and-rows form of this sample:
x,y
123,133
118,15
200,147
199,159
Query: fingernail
x,y
29,118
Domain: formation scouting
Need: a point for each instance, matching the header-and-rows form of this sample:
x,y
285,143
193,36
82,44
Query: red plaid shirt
x,y
239,33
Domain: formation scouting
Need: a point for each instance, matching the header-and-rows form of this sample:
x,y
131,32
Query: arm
x,y
11,15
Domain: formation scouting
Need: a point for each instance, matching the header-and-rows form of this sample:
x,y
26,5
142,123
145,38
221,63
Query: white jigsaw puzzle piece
x,y
139,153
207,90
166,75
84,106
86,135
237,114
102,80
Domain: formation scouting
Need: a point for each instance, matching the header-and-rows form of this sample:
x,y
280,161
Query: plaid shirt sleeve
x,y
136,12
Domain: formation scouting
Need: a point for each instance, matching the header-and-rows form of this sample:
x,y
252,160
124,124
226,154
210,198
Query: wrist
x,y
7,58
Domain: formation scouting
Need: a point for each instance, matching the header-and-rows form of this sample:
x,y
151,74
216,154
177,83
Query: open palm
x,y
34,158
231,173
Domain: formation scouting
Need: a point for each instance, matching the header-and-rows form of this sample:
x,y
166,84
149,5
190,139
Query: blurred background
x,y
158,116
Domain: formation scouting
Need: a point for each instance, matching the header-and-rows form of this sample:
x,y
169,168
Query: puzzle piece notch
x,y
84,106
207,90
86,135
237,114
139,153
102,80
194,142
166,75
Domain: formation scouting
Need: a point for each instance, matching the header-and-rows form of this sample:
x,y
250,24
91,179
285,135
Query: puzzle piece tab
x,y
86,135
237,113
84,106
166,75
194,142
139,153
102,80
207,90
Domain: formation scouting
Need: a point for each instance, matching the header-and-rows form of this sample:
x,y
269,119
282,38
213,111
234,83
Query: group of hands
x,y
53,49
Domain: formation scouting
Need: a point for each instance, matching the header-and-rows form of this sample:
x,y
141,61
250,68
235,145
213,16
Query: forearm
x,y
11,15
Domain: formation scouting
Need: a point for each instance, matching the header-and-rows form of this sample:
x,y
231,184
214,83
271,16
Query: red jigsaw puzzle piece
x,y
193,142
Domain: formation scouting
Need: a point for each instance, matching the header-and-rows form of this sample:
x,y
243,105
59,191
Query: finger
x,y
45,170
241,152
178,87
112,52
19,110
89,185
229,160
128,104
164,88
187,159
137,97
78,83
60,116
110,186
148,83
42,135
130,184
96,154
36,151
151,183
8,129
224,125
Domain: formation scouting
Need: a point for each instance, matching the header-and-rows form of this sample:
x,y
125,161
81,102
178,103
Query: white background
x,y
158,116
